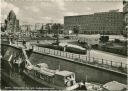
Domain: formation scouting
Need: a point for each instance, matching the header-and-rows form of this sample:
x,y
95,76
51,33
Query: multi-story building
x,y
97,23
11,23
125,10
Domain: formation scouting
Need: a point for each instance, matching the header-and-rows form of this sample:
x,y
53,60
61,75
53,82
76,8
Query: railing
x,y
108,64
119,66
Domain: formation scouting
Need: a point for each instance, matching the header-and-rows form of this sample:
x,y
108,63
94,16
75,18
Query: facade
x,y
2,26
125,10
25,30
12,24
97,23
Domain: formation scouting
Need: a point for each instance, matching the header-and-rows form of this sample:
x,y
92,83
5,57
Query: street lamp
x,y
89,49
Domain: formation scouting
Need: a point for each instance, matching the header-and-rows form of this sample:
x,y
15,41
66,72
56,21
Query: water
x,y
16,80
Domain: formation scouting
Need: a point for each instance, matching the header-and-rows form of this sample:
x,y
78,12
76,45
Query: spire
x,y
11,15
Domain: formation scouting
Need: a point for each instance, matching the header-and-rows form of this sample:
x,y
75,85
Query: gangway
x,y
26,57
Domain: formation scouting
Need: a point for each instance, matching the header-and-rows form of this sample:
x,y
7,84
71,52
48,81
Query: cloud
x,y
65,11
61,4
6,7
88,8
70,13
46,19
32,8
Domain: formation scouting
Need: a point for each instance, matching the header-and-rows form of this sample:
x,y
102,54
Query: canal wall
x,y
83,71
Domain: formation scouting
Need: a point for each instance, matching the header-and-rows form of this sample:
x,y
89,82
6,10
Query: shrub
x,y
104,38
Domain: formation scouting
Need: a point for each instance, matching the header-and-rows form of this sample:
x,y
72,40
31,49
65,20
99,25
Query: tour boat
x,y
61,80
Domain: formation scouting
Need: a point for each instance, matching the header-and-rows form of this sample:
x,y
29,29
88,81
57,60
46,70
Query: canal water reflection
x,y
13,79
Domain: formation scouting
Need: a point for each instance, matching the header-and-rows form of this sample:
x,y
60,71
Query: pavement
x,y
108,56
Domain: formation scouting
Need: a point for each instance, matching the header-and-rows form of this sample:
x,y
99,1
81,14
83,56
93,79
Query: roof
x,y
71,45
43,65
114,86
44,71
64,73
86,36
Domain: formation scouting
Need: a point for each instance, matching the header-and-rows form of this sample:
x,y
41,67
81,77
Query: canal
x,y
11,79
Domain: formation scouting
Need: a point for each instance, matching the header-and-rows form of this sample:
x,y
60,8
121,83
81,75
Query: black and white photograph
x,y
68,45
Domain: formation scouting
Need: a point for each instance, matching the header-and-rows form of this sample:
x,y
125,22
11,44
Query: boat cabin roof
x,y
64,73
42,65
114,86
43,71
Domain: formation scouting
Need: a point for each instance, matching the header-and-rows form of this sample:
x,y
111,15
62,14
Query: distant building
x,y
98,23
125,10
2,27
11,23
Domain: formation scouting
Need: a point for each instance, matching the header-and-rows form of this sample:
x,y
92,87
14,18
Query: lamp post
x,y
89,49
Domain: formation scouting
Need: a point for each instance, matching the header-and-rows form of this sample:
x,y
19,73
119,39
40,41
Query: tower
x,y
12,24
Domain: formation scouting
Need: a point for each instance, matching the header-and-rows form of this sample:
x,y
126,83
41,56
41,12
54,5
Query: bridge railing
x,y
109,64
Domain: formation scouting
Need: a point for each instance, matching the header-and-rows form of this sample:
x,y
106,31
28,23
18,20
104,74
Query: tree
x,y
56,29
2,28
76,30
104,39
42,31
48,28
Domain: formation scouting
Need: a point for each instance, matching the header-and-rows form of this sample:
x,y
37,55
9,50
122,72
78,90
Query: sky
x,y
53,11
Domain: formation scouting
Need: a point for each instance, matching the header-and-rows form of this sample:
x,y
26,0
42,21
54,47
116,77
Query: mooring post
x,y
111,63
102,61
121,65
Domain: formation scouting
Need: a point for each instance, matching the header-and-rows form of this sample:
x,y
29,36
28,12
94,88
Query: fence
x,y
83,58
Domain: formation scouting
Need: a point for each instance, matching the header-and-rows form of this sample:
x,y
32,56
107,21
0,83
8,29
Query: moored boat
x,y
62,80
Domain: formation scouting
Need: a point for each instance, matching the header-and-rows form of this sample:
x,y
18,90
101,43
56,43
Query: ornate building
x,y
11,23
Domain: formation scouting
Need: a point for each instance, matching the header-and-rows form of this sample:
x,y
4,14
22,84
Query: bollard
x,y
111,63
121,65
54,52
57,52
72,55
49,51
60,53
102,61
126,66
79,56
86,58
66,54
69,55
93,59
44,50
